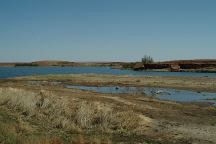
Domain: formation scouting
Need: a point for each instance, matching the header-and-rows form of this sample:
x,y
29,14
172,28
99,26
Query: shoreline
x,y
200,66
184,82
146,70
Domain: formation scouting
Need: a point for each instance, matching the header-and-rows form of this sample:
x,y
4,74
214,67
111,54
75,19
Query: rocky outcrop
x,y
196,66
174,68
156,66
138,66
141,66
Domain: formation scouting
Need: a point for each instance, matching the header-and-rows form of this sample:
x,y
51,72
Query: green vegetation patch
x,y
147,59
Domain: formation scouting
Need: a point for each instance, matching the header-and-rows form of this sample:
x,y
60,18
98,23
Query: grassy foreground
x,y
36,114
39,109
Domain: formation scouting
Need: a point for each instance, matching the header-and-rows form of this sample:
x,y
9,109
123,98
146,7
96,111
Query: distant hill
x,y
53,63
180,65
63,63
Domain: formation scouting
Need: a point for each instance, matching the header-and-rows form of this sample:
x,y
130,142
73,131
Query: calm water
x,y
8,72
161,93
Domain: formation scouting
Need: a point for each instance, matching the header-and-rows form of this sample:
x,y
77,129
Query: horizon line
x,y
104,61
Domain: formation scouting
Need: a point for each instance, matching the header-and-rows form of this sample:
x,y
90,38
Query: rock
x,y
138,66
174,68
161,92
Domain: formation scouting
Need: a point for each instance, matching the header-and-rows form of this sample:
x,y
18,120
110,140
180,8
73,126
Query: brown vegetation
x,y
60,113
42,112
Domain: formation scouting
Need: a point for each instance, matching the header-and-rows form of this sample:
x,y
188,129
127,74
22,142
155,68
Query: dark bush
x,y
25,64
147,60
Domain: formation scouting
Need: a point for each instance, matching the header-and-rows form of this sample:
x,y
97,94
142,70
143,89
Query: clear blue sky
x,y
107,30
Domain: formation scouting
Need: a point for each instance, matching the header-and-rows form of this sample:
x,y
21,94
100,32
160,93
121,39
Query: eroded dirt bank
x,y
130,118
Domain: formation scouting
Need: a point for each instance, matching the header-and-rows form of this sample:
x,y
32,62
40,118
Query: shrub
x,y
26,64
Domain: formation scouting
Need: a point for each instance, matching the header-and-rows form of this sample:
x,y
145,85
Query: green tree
x,y
147,59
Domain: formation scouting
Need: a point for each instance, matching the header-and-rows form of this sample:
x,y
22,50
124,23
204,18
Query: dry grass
x,y
18,99
68,115
41,140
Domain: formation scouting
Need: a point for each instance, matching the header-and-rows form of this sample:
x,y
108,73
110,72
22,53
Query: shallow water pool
x,y
161,93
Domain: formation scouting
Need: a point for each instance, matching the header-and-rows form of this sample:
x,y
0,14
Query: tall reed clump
x,y
65,114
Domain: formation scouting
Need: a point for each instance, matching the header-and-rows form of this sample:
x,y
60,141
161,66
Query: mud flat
x,y
188,83
42,104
